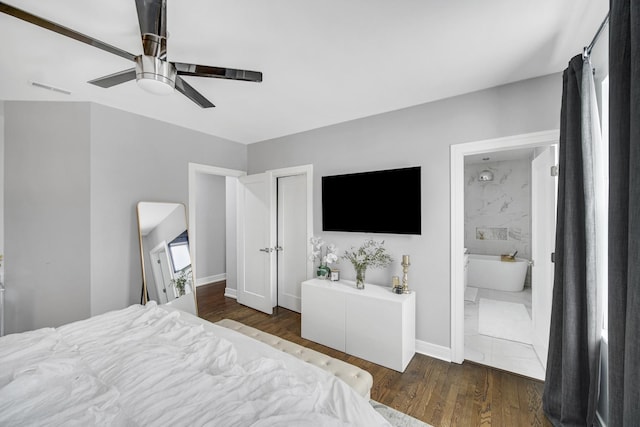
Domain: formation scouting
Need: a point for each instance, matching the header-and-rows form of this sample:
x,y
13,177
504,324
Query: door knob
x,y
266,250
278,248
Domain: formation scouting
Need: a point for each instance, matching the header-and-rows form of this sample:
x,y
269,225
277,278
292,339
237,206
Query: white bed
x,y
156,366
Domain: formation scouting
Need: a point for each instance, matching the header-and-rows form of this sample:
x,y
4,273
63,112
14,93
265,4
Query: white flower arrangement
x,y
370,254
330,254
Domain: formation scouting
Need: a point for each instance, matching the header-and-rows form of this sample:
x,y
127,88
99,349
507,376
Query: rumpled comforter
x,y
151,366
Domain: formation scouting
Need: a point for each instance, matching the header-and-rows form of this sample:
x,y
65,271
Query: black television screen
x,y
386,201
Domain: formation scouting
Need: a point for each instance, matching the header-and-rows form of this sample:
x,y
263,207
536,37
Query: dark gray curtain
x,y
571,382
624,213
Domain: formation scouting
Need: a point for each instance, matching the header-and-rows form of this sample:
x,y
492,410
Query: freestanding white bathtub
x,y
489,272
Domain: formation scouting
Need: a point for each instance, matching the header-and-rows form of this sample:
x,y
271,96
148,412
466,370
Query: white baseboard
x,y
211,279
231,293
433,350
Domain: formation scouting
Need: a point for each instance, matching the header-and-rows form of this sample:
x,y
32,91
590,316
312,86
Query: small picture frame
x,y
335,275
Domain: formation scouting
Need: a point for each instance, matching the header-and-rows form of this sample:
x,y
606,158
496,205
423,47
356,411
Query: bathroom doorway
x,y
494,203
505,195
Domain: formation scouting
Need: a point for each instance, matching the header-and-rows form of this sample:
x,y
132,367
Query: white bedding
x,y
154,366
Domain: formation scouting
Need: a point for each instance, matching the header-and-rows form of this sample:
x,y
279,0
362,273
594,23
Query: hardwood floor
x,y
439,393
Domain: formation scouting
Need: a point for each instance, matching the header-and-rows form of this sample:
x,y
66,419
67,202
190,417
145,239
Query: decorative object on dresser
x,y
370,254
318,246
397,288
405,270
373,324
395,285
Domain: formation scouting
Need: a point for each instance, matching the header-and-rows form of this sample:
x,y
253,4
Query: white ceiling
x,y
150,214
323,62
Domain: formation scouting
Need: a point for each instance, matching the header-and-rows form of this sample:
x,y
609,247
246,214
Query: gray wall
x,y
46,214
74,174
134,158
422,136
210,226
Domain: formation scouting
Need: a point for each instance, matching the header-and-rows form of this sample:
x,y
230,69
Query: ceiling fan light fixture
x,y
152,71
155,87
155,75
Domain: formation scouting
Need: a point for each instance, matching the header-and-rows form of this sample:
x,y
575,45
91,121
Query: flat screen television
x,y
385,201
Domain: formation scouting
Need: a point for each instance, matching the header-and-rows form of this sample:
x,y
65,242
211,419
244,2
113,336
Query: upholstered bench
x,y
359,379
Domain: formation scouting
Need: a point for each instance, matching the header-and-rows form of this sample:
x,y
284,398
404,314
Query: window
x,y
179,249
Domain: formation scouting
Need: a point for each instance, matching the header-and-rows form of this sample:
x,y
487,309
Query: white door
x,y
292,244
543,231
162,274
255,243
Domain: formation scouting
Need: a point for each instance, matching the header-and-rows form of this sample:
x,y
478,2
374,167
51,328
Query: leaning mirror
x,y
167,272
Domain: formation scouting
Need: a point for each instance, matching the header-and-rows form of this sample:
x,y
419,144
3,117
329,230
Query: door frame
x,y
306,170
194,169
458,152
272,176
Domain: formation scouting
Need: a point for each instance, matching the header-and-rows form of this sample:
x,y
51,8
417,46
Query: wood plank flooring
x,y
439,393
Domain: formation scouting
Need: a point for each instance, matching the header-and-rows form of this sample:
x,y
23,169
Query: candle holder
x,y
405,270
395,281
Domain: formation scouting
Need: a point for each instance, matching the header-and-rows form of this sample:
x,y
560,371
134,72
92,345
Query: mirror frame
x,y
145,293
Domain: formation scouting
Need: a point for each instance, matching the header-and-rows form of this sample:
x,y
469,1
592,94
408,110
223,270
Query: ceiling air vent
x,y
55,89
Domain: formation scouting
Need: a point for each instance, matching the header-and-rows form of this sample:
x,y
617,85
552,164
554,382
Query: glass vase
x,y
360,271
323,272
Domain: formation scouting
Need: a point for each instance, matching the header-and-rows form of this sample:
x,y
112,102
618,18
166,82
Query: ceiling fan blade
x,y
188,91
52,26
152,17
217,72
115,78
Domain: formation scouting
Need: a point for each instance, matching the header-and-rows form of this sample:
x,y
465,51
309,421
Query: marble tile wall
x,y
498,213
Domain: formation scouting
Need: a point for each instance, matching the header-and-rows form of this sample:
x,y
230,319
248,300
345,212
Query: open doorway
x,y
275,222
509,205
494,180
213,237
267,264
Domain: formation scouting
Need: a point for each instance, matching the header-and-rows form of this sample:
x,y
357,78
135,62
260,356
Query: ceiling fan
x,y
152,70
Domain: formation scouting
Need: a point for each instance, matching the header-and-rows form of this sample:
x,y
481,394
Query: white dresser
x,y
373,324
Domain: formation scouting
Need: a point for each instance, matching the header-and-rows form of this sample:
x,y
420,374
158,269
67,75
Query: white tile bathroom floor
x,y
499,353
